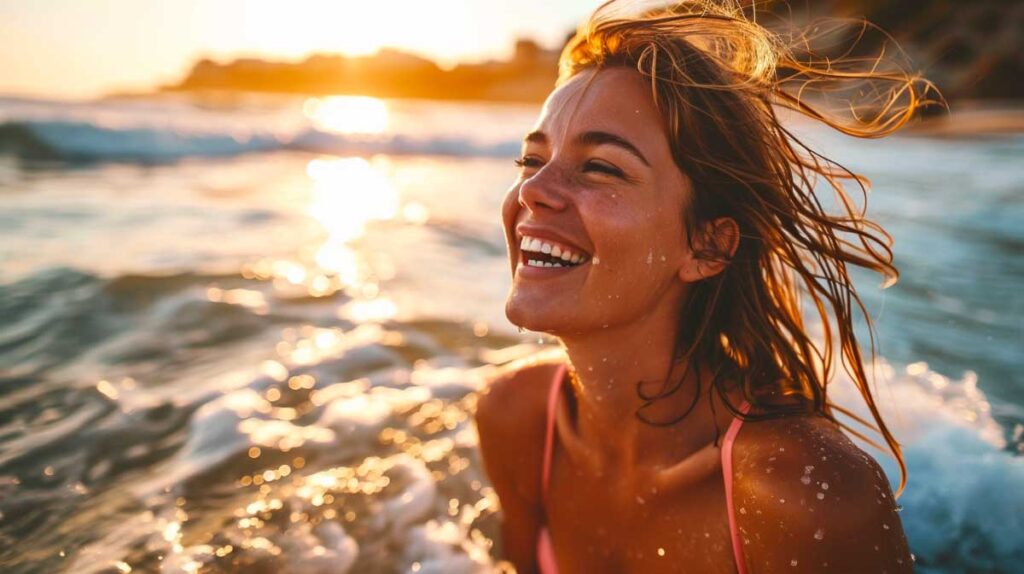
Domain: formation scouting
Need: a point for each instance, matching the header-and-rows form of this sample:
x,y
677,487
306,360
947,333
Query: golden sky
x,y
83,48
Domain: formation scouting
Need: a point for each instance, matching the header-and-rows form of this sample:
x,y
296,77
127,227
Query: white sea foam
x,y
963,507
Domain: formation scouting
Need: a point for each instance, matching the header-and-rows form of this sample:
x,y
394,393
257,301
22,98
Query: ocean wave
x,y
85,141
961,505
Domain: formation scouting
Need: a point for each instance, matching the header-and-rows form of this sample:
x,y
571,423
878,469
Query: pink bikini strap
x,y
549,437
730,438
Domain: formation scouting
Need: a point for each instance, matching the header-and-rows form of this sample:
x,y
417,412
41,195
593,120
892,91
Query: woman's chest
x,y
609,524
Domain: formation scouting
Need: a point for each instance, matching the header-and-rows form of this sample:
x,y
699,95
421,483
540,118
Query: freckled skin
x,y
604,511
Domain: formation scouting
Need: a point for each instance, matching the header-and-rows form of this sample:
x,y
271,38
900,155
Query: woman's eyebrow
x,y
605,138
593,138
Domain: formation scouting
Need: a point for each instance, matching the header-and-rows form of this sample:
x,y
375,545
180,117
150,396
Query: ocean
x,y
245,334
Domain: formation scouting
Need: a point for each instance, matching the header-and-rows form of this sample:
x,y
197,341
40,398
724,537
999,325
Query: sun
x,y
297,28
445,30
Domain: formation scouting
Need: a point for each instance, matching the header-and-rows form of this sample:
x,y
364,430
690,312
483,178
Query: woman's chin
x,y
535,318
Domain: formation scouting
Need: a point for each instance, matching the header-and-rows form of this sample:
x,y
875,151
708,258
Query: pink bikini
x,y
546,552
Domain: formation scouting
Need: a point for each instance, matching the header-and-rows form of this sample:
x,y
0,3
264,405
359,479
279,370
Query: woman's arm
x,y
509,421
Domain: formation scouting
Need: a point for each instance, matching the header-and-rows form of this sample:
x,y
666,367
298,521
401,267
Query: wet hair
x,y
722,82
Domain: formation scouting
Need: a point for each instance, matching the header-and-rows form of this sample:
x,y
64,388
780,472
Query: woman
x,y
662,226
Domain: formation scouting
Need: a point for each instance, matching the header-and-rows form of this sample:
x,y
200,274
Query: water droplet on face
x,y
596,260
661,551
824,486
782,501
821,496
805,479
743,510
793,562
885,526
819,534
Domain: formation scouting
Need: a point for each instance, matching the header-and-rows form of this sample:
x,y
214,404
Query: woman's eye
x,y
527,161
602,167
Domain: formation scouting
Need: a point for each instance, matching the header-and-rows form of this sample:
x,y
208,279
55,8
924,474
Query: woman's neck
x,y
608,365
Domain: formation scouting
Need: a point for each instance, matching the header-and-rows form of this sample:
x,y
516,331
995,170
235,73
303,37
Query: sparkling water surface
x,y
246,335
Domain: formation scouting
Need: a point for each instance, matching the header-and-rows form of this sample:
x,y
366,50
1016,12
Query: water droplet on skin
x,y
782,501
821,496
824,486
640,500
805,479
661,551
596,260
743,510
885,526
793,562
819,534
808,469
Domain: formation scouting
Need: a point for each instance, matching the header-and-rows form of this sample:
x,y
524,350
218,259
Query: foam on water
x,y
962,507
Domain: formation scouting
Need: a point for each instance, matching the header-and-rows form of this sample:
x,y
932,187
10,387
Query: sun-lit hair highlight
x,y
722,82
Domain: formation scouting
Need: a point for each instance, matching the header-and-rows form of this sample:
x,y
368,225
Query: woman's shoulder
x,y
518,391
805,493
510,415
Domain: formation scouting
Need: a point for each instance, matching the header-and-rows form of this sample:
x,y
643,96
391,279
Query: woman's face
x,y
598,181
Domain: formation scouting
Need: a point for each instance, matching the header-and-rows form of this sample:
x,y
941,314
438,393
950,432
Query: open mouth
x,y
536,252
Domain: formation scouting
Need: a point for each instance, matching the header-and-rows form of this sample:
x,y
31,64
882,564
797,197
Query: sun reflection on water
x,y
347,193
348,114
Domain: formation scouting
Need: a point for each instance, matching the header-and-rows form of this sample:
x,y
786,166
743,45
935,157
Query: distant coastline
x,y
527,77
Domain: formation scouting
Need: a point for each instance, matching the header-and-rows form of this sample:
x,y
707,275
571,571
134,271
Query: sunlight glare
x,y
347,194
347,114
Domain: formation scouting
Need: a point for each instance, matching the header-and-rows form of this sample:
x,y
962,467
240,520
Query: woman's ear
x,y
713,247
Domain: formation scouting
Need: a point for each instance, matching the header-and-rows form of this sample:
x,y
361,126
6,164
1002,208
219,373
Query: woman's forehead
x,y
617,100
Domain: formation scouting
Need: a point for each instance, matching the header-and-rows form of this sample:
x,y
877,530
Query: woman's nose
x,y
543,190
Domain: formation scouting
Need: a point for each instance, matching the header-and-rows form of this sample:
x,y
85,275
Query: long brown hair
x,y
720,79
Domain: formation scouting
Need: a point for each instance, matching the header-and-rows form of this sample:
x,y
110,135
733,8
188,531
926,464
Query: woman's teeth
x,y
541,253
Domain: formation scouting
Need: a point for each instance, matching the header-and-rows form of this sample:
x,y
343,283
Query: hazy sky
x,y
82,48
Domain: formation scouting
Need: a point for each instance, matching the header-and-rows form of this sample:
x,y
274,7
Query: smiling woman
x,y
663,227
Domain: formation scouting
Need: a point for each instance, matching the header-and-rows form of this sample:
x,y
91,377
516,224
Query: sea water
x,y
246,334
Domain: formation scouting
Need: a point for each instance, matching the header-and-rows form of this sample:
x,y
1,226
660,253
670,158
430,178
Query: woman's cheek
x,y
510,210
